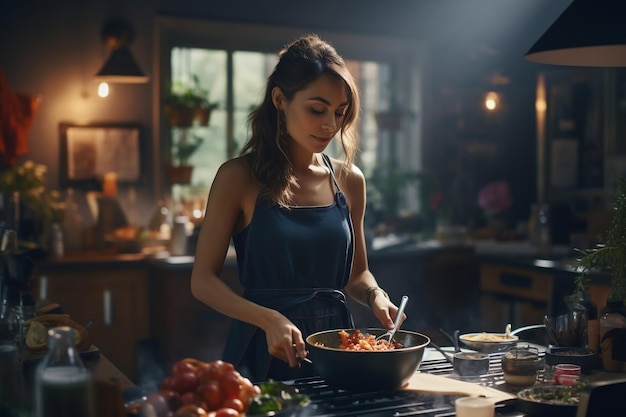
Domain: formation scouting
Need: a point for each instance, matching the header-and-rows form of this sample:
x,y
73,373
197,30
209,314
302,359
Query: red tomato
x,y
211,394
227,412
218,368
201,366
189,398
166,383
231,384
172,398
182,367
190,410
248,392
205,374
235,404
192,361
184,382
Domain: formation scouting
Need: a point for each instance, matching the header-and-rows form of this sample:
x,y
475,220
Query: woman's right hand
x,y
285,341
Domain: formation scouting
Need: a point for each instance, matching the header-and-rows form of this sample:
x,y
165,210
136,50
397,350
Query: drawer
x,y
516,282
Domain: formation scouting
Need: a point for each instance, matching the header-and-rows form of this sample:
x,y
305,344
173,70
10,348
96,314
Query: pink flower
x,y
495,197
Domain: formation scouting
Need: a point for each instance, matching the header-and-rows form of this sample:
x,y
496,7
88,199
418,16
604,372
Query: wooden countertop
x,y
520,254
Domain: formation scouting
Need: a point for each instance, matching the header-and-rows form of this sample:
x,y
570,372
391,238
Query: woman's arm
x,y
362,285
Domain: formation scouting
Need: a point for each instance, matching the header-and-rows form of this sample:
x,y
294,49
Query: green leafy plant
x,y
27,182
183,149
193,96
29,179
611,254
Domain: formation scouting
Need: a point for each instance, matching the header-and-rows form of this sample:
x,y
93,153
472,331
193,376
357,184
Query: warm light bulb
x,y
103,90
491,101
540,104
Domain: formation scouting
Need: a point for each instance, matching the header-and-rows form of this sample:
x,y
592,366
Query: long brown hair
x,y
299,64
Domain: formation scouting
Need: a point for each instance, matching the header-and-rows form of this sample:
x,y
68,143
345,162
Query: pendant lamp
x,y
120,67
589,33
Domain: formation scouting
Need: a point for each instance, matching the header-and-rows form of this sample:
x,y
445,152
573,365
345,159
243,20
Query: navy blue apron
x,y
294,260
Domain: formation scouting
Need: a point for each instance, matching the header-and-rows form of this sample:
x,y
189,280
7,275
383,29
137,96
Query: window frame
x,y
406,56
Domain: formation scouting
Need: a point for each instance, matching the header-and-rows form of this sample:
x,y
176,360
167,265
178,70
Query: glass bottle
x,y
63,386
593,323
72,226
544,230
612,329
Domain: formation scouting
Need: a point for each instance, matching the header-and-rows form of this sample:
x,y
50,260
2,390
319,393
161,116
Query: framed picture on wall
x,y
89,151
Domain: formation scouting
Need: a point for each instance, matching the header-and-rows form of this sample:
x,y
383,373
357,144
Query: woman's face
x,y
316,113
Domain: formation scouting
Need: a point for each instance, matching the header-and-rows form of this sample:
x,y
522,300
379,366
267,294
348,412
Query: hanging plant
x,y
185,104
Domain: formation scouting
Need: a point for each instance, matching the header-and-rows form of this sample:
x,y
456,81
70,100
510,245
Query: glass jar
x,y
8,323
22,314
612,330
520,365
63,386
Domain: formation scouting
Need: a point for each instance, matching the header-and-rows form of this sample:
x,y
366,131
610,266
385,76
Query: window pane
x,y
250,72
379,86
204,69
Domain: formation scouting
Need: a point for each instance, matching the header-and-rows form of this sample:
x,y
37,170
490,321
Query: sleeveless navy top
x,y
295,260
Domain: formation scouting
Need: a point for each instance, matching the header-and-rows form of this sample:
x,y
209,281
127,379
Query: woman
x,y
290,211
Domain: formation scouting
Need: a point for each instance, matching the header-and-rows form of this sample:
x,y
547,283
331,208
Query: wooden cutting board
x,y
441,385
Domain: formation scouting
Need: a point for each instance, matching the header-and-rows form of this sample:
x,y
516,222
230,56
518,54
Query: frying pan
x,y
500,342
366,370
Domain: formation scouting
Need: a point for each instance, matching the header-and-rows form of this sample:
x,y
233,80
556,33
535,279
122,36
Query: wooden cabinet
x,y
182,325
513,294
114,294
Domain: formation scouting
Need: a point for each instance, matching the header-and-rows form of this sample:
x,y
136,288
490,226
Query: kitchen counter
x,y
134,297
109,380
523,254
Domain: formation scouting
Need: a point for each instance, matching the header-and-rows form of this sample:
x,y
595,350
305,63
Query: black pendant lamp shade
x,y
120,67
589,33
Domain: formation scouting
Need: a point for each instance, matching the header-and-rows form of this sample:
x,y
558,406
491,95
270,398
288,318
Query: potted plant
x,y
180,171
23,186
609,255
392,118
185,104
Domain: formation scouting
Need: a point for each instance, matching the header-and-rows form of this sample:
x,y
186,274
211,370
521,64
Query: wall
x,y
53,49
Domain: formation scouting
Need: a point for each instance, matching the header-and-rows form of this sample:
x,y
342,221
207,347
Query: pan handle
x,y
531,327
445,354
454,339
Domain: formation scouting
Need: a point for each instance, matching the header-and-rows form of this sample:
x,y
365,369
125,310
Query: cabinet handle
x,y
43,288
108,307
515,280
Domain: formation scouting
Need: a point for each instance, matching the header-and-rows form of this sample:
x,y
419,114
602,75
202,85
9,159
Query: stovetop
x,y
327,401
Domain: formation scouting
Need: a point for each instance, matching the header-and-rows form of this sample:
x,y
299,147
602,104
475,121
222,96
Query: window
x,y
233,61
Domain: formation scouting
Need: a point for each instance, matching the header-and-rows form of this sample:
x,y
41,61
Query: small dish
x,y
550,400
583,357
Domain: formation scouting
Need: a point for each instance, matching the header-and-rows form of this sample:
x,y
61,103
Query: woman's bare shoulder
x,y
350,173
236,170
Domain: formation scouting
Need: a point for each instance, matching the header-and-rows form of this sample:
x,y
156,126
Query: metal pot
x,y
466,363
366,370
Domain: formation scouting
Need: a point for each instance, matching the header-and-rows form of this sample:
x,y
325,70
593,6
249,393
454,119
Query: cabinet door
x,y
116,300
515,295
